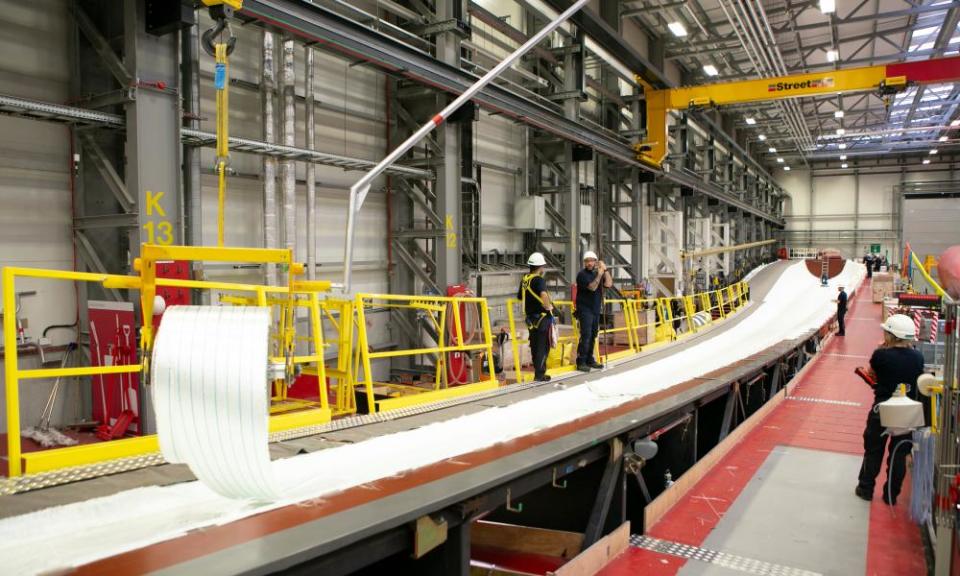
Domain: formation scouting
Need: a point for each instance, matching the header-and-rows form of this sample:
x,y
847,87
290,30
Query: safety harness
x,y
533,320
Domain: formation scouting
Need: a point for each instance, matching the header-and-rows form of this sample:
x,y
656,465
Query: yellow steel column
x,y
488,337
10,372
318,347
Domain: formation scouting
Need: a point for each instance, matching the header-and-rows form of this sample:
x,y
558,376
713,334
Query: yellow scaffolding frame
x,y
298,293
436,308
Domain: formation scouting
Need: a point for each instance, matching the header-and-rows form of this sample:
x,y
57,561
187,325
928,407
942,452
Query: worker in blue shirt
x,y
538,313
893,363
591,281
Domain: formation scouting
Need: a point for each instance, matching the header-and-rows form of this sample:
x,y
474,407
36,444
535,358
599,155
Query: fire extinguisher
x,y
459,363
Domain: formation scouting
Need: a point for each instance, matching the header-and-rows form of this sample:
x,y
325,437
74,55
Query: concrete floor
x,y
797,512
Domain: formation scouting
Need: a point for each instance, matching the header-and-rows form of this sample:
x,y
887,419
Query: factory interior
x,y
480,287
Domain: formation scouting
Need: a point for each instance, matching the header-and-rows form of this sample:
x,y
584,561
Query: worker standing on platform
x,y
893,363
538,312
591,282
841,311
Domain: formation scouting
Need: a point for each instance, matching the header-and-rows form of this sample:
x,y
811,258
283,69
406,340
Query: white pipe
x,y
289,139
311,171
359,191
269,163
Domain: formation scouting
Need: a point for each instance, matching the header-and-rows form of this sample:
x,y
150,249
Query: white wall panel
x,y
36,217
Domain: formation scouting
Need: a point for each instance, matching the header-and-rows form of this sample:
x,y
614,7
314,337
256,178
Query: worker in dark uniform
x,y
841,311
538,314
868,262
893,363
591,281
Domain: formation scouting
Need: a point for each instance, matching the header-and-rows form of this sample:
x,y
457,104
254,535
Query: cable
x,y
892,459
922,485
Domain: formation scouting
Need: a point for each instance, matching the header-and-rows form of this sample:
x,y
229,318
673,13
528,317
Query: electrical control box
x,y
529,213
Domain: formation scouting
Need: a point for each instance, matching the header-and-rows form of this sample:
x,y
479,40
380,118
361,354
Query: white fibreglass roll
x,y
209,384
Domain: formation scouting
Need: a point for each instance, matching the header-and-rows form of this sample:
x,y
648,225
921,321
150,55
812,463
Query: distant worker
x,y
868,262
538,313
895,362
841,311
591,281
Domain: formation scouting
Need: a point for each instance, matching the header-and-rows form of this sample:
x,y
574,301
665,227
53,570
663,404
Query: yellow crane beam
x,y
887,79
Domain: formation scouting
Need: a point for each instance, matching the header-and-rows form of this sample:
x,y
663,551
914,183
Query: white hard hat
x,y
901,326
590,255
536,259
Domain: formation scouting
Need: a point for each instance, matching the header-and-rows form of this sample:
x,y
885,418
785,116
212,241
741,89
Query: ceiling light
x,y
678,29
842,146
841,131
772,150
787,168
833,55
943,138
762,137
934,151
843,156
955,123
780,160
844,165
838,114
710,70
926,160
750,121
828,6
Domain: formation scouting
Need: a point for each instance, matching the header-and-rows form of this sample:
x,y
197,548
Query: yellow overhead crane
x,y
886,79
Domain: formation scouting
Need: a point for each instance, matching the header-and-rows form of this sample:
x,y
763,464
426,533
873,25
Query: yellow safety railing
x,y
673,318
297,294
444,314
617,309
12,372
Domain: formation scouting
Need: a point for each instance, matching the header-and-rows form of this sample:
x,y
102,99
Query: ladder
x,y
824,267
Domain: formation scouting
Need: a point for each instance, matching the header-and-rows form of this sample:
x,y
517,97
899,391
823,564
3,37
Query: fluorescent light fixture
x,y
828,6
843,157
780,160
955,123
833,55
838,114
844,165
841,131
710,70
786,168
933,152
842,146
772,150
678,29
943,138
750,120
762,137
926,160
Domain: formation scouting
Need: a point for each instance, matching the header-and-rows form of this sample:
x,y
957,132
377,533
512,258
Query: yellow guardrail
x,y
628,327
287,412
444,313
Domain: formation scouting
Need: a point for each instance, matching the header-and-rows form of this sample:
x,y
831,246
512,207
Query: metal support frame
x,y
608,485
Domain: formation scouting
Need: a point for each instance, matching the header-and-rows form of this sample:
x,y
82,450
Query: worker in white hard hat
x,y
895,362
591,281
538,313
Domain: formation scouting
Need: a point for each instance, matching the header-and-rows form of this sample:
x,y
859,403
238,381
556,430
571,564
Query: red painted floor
x,y
894,546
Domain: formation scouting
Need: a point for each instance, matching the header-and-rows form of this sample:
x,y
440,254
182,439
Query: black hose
x,y
59,327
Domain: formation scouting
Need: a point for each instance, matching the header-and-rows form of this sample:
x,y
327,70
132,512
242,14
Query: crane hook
x,y
207,40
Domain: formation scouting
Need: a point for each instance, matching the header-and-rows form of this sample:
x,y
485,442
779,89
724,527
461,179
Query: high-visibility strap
x,y
222,83
526,284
